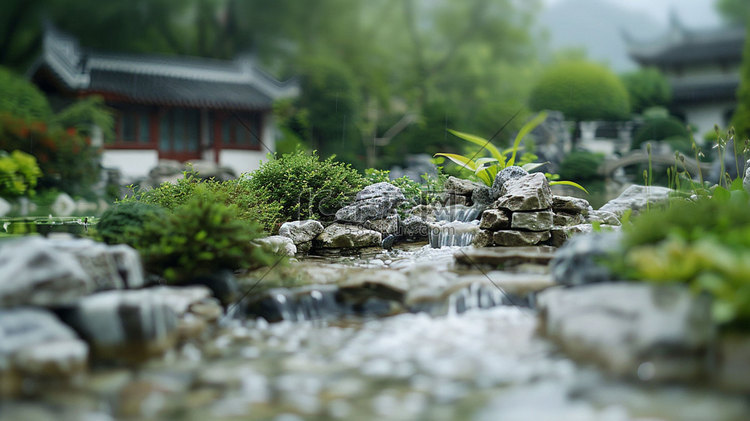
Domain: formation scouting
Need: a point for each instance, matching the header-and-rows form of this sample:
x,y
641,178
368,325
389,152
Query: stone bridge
x,y
641,157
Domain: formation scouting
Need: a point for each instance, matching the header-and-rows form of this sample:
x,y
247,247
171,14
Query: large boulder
x,y
278,244
35,344
301,231
526,193
578,262
637,330
53,272
636,198
375,201
347,236
129,325
460,186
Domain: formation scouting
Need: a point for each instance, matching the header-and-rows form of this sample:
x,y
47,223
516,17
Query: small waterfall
x,y
455,226
311,303
475,296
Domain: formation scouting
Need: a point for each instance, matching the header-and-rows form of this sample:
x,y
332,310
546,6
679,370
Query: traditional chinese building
x,y
167,107
703,68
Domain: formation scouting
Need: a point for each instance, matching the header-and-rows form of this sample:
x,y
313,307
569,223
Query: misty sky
x,y
694,13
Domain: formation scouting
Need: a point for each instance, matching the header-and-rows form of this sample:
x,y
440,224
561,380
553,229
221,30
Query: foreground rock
x,y
36,346
580,260
136,325
50,272
301,231
641,331
278,244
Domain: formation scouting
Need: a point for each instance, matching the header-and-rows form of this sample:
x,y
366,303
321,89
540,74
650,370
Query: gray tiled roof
x,y
186,81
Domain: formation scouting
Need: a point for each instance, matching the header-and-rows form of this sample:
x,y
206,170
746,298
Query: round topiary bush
x,y
123,223
581,166
647,88
582,91
663,129
21,98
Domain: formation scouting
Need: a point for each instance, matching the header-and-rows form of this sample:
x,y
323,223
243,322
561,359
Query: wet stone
x,y
494,219
483,238
301,231
460,186
504,175
385,226
532,221
569,204
347,236
505,257
561,218
530,192
511,238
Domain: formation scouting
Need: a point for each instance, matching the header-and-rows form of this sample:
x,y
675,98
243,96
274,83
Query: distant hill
x,y
597,26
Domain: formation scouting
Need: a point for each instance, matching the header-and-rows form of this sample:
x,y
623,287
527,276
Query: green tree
x,y
741,118
647,88
22,98
582,91
735,12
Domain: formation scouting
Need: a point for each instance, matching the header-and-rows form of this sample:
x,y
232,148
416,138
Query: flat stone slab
x,y
512,238
508,256
532,221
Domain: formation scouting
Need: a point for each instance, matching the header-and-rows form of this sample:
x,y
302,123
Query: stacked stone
x,y
568,212
365,222
521,216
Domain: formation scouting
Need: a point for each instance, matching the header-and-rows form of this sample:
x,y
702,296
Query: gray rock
x,y
129,325
461,187
347,236
376,201
602,217
96,259
532,221
385,226
636,198
569,204
32,272
426,212
301,231
558,237
456,200
578,261
278,244
494,219
564,219
637,330
483,238
483,197
414,228
504,175
304,247
64,205
745,180
530,192
35,344
504,257
734,373
519,238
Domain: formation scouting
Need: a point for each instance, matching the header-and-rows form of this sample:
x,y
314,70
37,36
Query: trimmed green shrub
x,y
668,129
200,238
252,204
21,98
581,166
18,174
582,91
647,88
303,185
123,223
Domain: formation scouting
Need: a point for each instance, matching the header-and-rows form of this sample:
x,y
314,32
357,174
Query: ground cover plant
x,y
703,243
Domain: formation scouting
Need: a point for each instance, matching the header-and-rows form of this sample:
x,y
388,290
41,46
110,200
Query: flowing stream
x,y
321,357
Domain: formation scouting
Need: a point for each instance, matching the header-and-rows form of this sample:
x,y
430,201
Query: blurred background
x,y
377,83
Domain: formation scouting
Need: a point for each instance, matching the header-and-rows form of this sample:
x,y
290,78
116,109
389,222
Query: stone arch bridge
x,y
641,157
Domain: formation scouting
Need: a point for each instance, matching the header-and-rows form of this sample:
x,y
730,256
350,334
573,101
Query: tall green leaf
x,y
481,142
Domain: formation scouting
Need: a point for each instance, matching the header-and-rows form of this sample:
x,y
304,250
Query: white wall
x,y
241,161
705,116
132,163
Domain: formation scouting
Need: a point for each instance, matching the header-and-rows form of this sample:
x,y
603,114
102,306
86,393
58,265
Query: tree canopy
x,y
647,88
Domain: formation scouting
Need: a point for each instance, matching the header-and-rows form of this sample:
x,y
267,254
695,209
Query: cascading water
x,y
455,226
